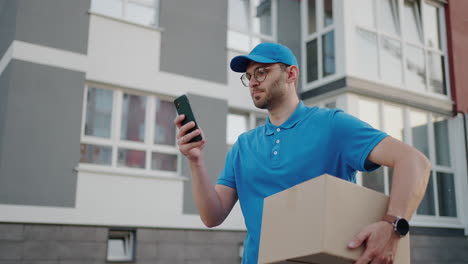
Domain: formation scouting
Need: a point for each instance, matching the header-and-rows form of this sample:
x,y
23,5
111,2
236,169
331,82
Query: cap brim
x,y
239,63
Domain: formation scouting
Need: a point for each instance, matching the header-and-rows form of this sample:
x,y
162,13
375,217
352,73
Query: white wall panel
x,y
120,201
128,55
237,94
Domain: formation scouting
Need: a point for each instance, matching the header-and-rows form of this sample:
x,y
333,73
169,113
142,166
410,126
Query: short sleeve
x,y
354,139
227,175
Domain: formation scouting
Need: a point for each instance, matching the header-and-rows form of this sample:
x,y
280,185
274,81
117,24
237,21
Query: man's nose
x,y
253,82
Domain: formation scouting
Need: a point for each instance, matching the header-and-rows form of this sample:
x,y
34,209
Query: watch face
x,y
402,226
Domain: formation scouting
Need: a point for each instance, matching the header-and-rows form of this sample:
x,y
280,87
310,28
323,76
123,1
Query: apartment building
x,y
89,168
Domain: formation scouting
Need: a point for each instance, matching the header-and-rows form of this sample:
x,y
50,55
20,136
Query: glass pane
x,y
164,130
366,59
412,21
131,158
95,154
262,20
108,7
427,206
389,18
141,14
431,23
260,121
393,121
236,125
312,16
415,69
446,192
374,180
166,162
369,112
133,118
436,73
418,121
98,113
391,61
238,11
442,147
116,249
238,41
363,13
312,63
328,53
327,12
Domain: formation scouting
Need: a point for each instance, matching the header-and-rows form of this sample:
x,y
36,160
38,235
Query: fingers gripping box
x,y
314,221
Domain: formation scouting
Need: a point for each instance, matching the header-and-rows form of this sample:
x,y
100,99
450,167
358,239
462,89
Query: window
x,y
250,22
427,132
404,40
121,245
126,130
319,38
144,12
238,123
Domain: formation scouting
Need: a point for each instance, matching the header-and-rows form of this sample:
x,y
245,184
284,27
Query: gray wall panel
x,y
4,87
193,42
41,135
7,24
211,116
61,24
289,27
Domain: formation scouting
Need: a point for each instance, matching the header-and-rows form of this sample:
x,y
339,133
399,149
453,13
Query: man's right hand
x,y
193,151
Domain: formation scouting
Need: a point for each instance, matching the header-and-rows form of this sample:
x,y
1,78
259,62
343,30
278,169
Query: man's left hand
x,y
381,243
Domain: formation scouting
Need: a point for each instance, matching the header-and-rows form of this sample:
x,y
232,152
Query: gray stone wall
x,y
188,246
66,244
439,249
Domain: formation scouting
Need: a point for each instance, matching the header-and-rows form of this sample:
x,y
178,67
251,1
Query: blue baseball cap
x,y
264,53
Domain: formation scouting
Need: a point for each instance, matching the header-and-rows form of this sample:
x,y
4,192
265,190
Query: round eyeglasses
x,y
259,74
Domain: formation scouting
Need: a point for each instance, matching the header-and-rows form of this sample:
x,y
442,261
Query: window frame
x,y
251,121
321,30
251,35
380,34
130,241
419,219
115,143
123,16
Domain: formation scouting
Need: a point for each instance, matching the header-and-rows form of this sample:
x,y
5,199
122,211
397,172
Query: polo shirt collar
x,y
296,116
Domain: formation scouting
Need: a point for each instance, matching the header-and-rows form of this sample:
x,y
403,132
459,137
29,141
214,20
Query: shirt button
x,y
275,153
277,141
278,129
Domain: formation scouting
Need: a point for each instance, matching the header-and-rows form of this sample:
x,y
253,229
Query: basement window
x,y
121,245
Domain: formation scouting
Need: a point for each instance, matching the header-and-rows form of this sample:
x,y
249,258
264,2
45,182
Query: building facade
x,y
89,167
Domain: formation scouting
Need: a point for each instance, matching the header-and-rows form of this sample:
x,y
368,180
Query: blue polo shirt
x,y
270,159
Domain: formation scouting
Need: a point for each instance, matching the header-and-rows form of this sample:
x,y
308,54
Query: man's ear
x,y
293,73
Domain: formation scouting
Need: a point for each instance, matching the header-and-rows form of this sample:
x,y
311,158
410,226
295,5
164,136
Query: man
x,y
298,143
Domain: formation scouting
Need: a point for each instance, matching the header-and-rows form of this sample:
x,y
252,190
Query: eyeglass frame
x,y
244,76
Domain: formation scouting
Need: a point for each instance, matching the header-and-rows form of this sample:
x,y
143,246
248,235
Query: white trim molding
x,y
7,57
49,56
34,53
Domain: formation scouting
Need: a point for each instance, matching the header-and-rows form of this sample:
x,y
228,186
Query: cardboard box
x,y
314,221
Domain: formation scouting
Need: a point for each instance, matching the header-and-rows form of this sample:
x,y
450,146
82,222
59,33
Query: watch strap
x,y
390,218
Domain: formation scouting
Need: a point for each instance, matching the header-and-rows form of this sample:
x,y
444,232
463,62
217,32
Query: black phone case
x,y
182,105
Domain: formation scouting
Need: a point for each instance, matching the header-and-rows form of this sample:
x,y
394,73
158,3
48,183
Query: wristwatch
x,y
400,225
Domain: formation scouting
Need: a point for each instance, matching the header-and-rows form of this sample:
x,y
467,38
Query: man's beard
x,y
272,95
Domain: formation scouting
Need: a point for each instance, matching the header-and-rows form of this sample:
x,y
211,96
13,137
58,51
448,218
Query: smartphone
x,y
182,105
